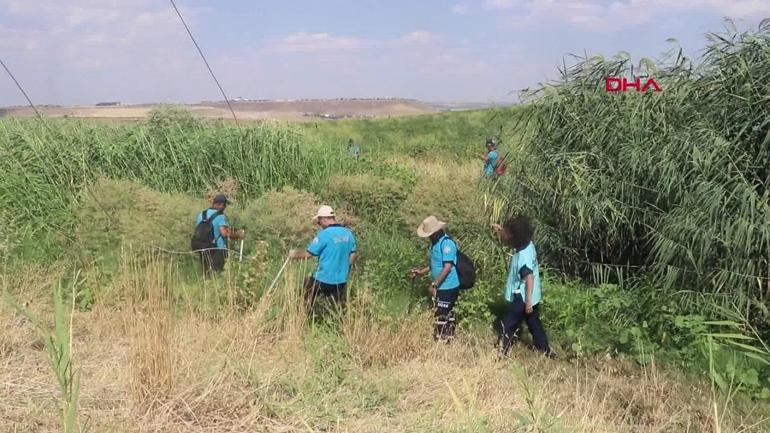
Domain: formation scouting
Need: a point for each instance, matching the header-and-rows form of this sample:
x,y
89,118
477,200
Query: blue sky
x,y
85,51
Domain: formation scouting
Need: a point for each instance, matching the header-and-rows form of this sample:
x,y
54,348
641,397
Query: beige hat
x,y
324,212
429,226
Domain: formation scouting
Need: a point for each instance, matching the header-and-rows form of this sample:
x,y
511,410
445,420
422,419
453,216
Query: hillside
x,y
247,110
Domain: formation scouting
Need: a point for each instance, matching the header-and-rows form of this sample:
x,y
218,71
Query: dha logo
x,y
618,84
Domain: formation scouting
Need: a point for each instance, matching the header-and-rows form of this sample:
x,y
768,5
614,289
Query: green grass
x,y
651,211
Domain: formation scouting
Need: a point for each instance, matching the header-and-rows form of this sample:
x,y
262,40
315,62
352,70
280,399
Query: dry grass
x,y
158,366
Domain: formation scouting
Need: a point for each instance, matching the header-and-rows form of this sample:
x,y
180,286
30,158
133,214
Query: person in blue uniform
x,y
522,289
445,285
335,248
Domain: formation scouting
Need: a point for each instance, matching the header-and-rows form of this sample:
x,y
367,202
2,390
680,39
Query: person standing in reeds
x,y
354,149
335,248
522,290
212,231
490,158
445,287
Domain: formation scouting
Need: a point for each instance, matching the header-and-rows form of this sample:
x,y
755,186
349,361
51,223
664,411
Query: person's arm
x,y
353,256
225,232
312,250
418,272
448,258
443,274
299,255
529,281
484,157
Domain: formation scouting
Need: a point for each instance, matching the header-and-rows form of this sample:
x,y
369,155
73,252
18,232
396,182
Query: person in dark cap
x,y
212,231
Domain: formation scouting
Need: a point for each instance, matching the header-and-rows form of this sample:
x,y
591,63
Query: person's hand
x,y
498,229
415,272
293,253
241,233
528,307
432,289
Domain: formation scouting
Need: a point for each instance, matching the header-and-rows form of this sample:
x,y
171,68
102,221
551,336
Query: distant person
x,y
211,235
522,290
335,248
354,149
490,158
445,287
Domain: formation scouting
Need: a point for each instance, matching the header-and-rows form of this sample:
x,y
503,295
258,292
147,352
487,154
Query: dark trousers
x,y
513,318
314,287
212,260
444,317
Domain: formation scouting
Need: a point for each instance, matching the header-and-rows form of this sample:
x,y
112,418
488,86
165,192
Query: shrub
x,y
283,217
373,197
171,117
118,213
449,191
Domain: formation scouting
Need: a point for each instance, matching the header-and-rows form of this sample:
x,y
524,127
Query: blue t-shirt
x,y
218,222
445,250
490,163
333,246
523,263
355,151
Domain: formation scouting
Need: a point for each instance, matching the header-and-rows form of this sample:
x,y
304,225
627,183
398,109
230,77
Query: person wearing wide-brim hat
x,y
445,286
335,248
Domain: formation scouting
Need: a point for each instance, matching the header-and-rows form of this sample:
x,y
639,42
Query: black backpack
x,y
466,270
204,237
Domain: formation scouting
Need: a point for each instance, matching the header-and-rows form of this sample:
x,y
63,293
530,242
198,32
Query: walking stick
x,y
240,253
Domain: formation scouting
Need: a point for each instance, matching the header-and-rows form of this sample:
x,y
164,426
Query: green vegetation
x,y
652,224
664,193
57,343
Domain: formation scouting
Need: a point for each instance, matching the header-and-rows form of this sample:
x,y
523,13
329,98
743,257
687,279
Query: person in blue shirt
x,y
445,286
335,248
354,149
214,259
490,158
522,289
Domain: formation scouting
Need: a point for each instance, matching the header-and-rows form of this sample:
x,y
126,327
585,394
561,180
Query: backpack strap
x,y
210,219
456,247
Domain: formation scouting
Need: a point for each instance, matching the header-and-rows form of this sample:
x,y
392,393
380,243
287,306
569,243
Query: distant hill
x,y
306,109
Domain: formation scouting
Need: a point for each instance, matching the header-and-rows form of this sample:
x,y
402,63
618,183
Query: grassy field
x,y
654,265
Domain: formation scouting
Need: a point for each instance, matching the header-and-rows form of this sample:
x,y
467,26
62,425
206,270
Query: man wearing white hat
x,y
335,247
445,287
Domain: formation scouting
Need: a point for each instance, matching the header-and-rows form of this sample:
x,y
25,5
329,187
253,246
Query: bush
x,y
282,217
376,198
449,191
115,214
167,118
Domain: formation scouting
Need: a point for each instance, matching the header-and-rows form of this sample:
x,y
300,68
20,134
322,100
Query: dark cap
x,y
220,198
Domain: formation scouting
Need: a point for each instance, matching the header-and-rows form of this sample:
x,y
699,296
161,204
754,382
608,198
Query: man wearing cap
x,y
446,282
214,259
490,158
335,247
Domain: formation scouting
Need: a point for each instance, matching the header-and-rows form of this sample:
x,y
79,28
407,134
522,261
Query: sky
x,y
80,52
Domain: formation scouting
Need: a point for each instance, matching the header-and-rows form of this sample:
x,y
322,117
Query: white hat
x,y
429,226
324,212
